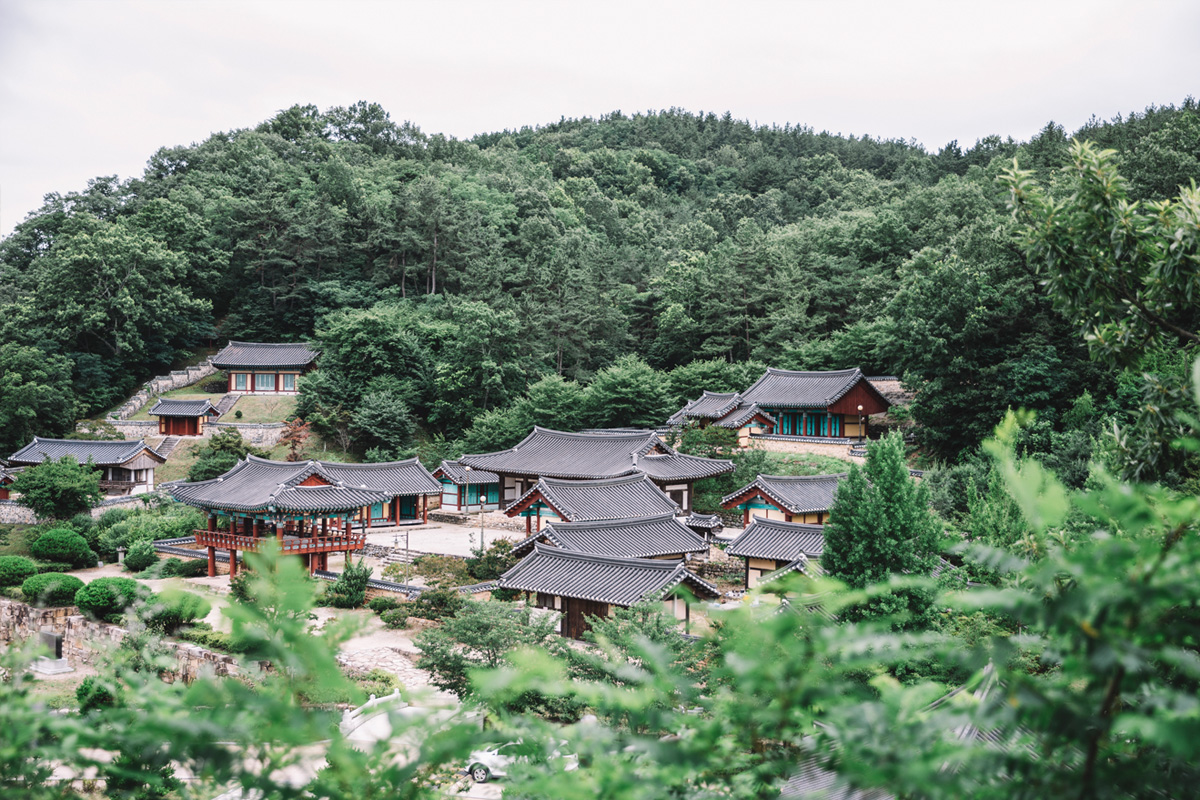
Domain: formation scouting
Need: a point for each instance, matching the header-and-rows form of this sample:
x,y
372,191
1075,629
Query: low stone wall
x,y
85,641
12,512
265,434
135,428
815,448
176,379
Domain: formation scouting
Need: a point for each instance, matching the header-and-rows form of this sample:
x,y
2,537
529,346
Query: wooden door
x,y
576,612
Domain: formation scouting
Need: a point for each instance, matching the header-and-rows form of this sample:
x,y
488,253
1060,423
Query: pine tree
x,y
880,523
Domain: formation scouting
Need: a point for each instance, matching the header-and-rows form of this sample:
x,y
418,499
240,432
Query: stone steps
x,y
226,404
168,446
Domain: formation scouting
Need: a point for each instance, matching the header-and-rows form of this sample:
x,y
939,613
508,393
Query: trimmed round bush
x,y
396,618
141,555
65,545
51,589
107,598
192,568
15,569
54,566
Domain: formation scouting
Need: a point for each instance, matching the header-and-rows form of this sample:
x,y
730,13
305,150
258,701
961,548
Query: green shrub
x,y
213,640
85,525
437,603
239,587
192,568
107,598
112,517
15,569
51,589
350,588
64,544
92,693
141,555
381,604
174,608
396,618
54,566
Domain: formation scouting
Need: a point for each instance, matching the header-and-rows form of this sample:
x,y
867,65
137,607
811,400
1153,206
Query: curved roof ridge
x,y
838,475
616,522
615,480
582,555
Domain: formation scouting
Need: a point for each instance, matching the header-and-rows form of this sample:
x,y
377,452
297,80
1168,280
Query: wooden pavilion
x,y
468,489
309,508
583,501
772,548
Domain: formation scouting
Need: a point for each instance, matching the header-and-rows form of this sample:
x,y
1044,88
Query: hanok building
x,y
581,501
546,453
772,546
311,508
582,585
817,405
660,536
127,467
183,417
7,476
261,368
790,498
468,489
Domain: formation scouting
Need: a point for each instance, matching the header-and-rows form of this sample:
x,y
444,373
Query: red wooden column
x,y
425,508
278,379
528,525
746,516
232,563
212,522
229,379
212,562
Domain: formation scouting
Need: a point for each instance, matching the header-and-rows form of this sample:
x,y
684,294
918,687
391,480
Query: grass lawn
x,y
262,409
804,464
178,463
319,449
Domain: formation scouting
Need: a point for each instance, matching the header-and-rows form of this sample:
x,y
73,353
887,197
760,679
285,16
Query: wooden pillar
x,y
212,562
746,514
232,563
528,525
278,380
257,527
324,526
425,509
804,424
229,380
538,526
828,424
212,522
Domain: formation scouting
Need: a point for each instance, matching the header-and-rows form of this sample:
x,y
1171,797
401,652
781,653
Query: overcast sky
x,y
94,88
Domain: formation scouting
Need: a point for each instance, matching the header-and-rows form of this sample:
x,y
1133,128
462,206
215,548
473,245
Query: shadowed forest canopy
x,y
444,278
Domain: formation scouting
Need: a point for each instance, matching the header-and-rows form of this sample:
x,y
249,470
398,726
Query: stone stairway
x,y
168,446
226,404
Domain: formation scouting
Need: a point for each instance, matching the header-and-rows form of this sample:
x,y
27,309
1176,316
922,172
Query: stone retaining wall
x,y
264,434
85,641
12,512
176,379
815,448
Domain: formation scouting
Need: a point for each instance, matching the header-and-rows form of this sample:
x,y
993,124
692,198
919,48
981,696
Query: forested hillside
x,y
443,278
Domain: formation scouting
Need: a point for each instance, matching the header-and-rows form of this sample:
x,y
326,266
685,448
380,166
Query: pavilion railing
x,y
287,544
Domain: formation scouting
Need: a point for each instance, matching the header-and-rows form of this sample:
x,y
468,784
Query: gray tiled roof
x,y
782,388
710,405
782,541
259,484
802,565
743,414
598,454
393,478
262,354
677,466
704,522
636,537
171,407
457,474
798,494
603,579
811,781
605,498
103,454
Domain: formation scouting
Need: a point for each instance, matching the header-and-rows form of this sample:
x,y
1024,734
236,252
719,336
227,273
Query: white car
x,y
494,759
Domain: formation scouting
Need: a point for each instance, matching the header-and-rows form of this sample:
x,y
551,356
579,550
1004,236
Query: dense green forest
x,y
445,278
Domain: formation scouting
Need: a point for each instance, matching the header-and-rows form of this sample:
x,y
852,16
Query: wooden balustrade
x,y
287,544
